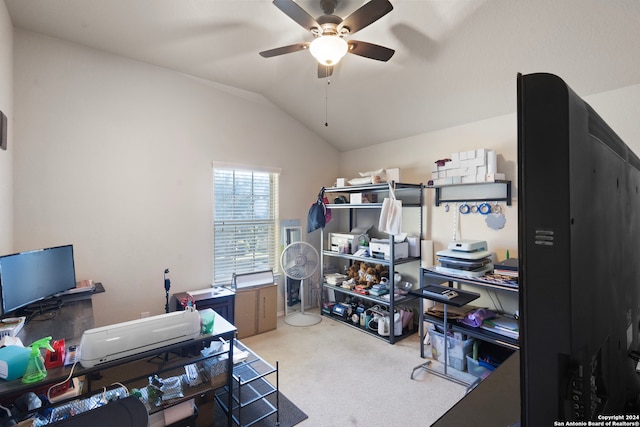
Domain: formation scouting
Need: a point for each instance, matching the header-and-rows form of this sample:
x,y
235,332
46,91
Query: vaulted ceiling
x,y
455,62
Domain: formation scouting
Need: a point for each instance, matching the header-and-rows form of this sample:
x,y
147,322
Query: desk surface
x,y
494,402
70,323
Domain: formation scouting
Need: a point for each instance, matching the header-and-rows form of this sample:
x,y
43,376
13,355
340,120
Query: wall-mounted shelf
x,y
498,191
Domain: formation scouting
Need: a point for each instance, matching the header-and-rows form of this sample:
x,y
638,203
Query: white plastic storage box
x,y
457,350
362,198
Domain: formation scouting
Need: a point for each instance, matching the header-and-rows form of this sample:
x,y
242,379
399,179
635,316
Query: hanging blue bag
x,y
317,217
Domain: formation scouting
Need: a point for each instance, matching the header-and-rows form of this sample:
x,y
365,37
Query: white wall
x,y
620,108
416,155
6,106
115,156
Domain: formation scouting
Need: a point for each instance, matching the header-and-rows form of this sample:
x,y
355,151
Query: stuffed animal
x,y
370,277
352,273
362,270
382,271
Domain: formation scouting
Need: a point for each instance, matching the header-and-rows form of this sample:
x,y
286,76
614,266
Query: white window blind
x,y
245,221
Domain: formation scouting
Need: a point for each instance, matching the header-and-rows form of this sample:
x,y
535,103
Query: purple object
x,y
475,318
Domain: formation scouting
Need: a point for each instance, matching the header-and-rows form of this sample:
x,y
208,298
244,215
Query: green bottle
x,y
35,367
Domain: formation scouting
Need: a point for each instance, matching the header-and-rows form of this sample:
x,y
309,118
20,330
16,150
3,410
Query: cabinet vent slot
x,y
544,237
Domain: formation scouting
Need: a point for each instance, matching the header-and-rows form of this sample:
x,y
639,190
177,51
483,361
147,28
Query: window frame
x,y
246,219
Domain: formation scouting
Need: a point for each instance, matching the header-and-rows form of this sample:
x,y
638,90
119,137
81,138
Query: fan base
x,y
302,319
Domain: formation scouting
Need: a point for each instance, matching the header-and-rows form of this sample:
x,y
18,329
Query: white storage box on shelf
x,y
466,167
362,198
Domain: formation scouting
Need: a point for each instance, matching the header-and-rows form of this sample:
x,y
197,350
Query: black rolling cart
x,y
438,293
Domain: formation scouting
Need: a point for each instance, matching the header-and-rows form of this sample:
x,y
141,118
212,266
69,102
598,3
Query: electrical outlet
x,y
144,314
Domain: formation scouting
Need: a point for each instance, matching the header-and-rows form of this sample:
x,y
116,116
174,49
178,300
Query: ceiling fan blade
x,y
324,70
284,49
297,13
370,50
366,15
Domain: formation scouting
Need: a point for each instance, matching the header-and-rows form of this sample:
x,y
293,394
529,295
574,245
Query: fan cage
x,y
299,260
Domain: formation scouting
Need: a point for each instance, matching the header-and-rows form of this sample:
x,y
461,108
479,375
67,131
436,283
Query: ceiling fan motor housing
x,y
329,26
329,32
328,6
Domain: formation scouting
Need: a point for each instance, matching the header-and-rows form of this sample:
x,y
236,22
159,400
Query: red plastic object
x,y
55,359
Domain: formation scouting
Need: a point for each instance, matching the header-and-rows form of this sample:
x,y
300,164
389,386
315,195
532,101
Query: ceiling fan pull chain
x,y
326,102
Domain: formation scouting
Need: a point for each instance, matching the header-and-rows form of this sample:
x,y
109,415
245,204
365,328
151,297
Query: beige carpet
x,y
342,377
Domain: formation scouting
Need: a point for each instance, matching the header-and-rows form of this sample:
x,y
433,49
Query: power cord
x,y
123,386
6,410
73,367
104,400
498,305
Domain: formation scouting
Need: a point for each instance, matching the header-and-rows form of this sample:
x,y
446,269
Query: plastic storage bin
x,y
457,351
476,369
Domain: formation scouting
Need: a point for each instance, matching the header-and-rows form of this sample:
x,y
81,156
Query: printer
x,y
343,242
381,249
347,243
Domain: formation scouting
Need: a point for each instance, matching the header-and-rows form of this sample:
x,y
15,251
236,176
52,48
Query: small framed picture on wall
x,y
3,131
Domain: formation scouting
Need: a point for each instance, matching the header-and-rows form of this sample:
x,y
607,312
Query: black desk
x,y
494,402
65,316
73,318
463,298
70,321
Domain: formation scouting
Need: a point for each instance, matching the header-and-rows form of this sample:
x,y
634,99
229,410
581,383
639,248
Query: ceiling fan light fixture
x,y
328,50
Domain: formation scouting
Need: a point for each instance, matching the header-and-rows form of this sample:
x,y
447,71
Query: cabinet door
x,y
246,312
221,305
267,308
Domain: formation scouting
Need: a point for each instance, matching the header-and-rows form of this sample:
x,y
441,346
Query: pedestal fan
x,y
299,261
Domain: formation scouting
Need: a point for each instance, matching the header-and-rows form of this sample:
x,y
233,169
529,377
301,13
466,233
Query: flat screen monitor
x,y
30,276
579,255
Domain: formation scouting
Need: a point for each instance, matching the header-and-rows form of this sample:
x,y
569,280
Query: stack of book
x,y
508,267
502,325
335,278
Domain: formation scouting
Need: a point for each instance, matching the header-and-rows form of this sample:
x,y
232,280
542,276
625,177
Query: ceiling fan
x,y
329,31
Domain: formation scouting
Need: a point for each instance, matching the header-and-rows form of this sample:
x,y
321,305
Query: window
x,y
245,221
